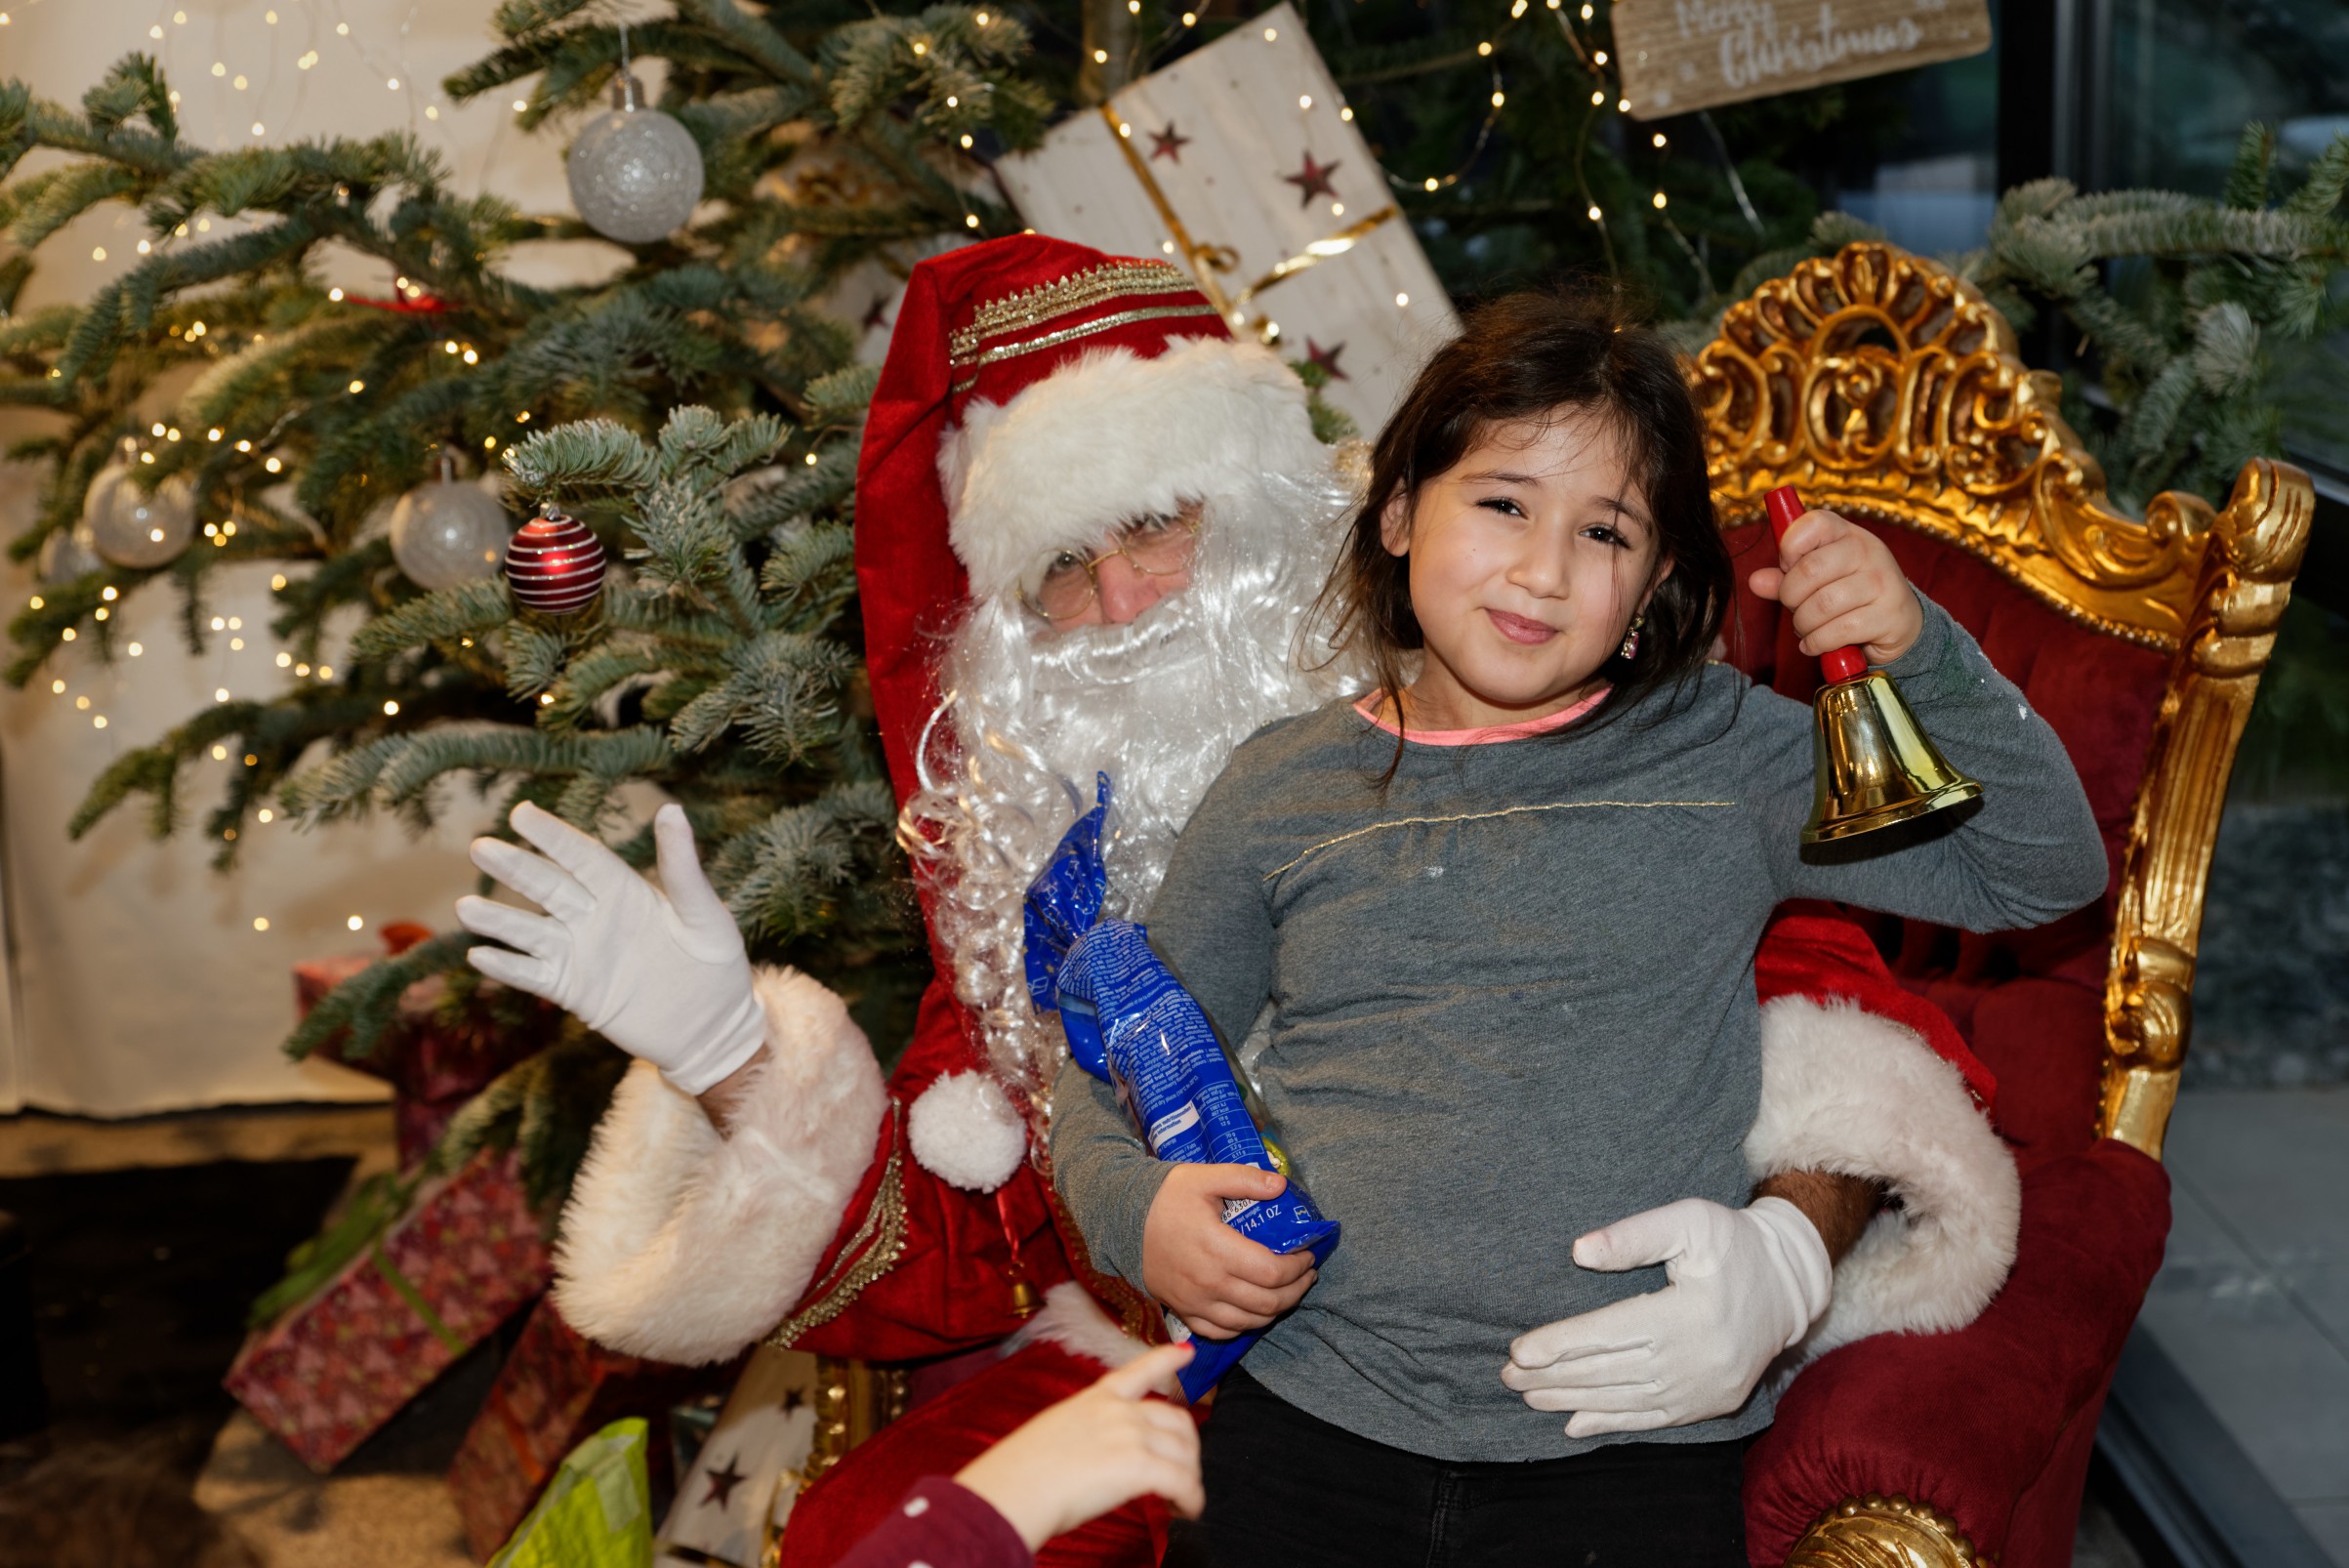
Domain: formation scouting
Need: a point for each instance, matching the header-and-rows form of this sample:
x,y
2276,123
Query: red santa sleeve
x,y
685,1245
1861,1077
941,1524
949,1242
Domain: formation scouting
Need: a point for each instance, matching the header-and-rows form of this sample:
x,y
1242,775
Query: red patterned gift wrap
x,y
434,1057
461,1256
557,1388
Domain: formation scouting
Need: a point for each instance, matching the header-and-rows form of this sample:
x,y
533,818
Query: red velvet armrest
x,y
1967,1421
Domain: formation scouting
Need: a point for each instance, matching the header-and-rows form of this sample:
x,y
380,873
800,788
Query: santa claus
x,y
1091,531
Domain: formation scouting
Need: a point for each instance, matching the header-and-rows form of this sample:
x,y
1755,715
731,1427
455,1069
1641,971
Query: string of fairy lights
x,y
1594,60
245,71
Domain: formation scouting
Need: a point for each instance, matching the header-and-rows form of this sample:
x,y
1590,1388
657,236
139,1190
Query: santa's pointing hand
x,y
660,973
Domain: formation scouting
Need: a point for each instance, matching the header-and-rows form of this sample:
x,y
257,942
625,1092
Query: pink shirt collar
x,y
1368,708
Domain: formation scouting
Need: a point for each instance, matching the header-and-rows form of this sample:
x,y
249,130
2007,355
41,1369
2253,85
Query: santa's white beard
x,y
1030,716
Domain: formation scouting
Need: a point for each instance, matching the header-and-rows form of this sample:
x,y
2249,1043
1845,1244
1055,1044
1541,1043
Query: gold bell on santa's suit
x,y
1875,765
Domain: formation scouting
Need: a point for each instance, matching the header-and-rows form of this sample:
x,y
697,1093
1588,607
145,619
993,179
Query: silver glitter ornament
x,y
636,174
448,532
131,528
68,553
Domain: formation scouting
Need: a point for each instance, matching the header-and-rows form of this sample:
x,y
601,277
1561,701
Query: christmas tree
x,y
698,411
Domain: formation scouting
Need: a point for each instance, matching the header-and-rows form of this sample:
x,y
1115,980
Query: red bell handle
x,y
1784,506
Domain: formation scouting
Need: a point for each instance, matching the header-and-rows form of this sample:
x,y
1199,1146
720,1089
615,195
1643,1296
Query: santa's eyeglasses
x,y
1064,585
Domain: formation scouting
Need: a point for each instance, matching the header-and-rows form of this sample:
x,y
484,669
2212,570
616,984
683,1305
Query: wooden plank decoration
x,y
1680,55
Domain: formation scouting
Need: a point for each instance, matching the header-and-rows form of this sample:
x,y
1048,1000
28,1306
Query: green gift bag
x,y
596,1512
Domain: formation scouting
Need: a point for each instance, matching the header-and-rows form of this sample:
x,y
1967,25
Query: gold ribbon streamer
x,y
1205,261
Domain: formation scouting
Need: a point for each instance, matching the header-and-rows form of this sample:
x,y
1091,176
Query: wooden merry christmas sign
x,y
1679,55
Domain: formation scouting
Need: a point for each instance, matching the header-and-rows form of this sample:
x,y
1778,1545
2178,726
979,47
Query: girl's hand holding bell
x,y
1842,587
659,971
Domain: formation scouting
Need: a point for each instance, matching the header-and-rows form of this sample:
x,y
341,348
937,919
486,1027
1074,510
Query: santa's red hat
x,y
1037,394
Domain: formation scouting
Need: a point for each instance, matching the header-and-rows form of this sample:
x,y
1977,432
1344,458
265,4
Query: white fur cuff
x,y
684,1246
1849,1092
1075,1322
965,1130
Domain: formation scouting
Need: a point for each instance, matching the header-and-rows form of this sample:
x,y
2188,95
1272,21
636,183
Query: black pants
x,y
1287,1489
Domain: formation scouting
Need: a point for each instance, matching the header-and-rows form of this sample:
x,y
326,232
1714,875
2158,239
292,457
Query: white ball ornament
x,y
66,555
129,528
636,174
448,532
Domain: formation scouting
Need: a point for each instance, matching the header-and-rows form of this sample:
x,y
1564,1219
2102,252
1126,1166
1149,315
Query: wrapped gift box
x,y
555,1389
1241,160
396,1305
436,1055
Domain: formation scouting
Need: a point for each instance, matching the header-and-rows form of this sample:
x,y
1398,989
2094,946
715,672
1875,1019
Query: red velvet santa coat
x,y
890,1221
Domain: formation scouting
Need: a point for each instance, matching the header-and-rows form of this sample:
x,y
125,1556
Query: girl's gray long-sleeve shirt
x,y
1513,1001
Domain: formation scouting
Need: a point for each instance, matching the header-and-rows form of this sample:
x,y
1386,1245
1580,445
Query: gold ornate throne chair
x,y
1885,387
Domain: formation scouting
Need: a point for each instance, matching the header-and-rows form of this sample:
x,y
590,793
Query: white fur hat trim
x,y
963,1131
1113,437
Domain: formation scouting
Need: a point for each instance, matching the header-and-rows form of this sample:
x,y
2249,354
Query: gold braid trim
x,y
1079,291
858,1266
1084,329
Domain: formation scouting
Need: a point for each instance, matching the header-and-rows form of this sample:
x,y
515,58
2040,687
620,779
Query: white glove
x,y
664,977
1745,1284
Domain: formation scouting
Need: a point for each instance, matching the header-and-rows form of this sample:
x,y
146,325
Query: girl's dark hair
x,y
1525,357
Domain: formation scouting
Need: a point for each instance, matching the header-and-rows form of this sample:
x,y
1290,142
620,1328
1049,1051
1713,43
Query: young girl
x,y
1505,908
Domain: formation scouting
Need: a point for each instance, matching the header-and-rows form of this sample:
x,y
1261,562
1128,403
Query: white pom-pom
x,y
963,1131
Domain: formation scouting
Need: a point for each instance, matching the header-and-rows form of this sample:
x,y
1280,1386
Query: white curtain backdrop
x,y
137,978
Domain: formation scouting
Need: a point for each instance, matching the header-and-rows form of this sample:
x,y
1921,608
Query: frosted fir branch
x,y
597,673
781,877
505,749
2226,350
783,692
53,200
516,17
2130,345
811,567
628,609
754,37
589,454
363,1006
2247,175
545,1108
730,118
533,659
2147,428
840,399
759,503
343,784
699,449
470,610
683,543
2320,195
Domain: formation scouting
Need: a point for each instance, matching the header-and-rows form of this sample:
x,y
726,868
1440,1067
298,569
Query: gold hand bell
x,y
1875,764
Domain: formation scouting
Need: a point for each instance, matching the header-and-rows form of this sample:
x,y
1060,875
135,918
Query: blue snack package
x,y
1131,1023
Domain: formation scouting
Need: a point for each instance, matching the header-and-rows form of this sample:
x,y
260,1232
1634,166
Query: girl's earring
x,y
1630,642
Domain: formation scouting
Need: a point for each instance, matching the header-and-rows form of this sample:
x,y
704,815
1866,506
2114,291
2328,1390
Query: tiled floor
x,y
2252,1301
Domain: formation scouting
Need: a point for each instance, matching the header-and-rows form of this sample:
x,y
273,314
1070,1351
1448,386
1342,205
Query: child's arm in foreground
x,y
1159,1224
2026,853
1092,1452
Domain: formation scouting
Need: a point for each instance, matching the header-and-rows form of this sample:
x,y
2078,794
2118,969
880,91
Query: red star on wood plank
x,y
1169,142
722,1485
1327,359
1313,179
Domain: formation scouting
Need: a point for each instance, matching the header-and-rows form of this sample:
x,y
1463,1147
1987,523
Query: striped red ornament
x,y
554,565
